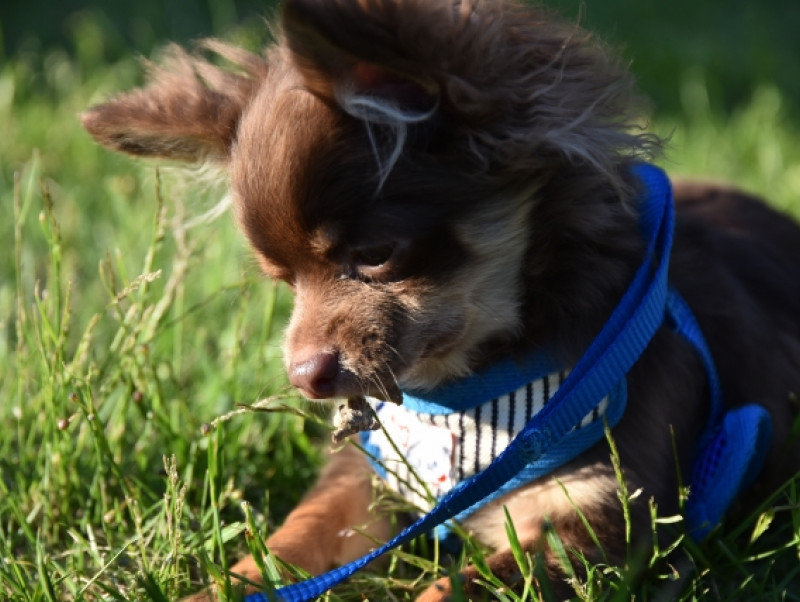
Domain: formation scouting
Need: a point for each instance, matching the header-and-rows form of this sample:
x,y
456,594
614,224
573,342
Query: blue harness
x,y
730,452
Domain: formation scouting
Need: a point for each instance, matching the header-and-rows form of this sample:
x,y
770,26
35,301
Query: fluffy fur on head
x,y
441,114
444,182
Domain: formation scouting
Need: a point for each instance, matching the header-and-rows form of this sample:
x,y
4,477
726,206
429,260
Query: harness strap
x,y
733,446
681,319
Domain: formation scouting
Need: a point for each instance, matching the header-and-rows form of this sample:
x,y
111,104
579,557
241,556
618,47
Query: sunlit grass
x,y
123,334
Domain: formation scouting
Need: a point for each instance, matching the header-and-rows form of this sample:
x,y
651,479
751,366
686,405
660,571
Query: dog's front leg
x,y
326,528
544,511
504,567
319,533
550,577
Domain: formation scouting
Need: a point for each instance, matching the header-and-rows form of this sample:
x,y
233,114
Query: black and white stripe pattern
x,y
478,436
486,430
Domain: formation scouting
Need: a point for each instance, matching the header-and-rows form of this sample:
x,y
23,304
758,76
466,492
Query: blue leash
x,y
646,305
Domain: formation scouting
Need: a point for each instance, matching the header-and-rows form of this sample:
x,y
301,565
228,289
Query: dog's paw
x,y
440,591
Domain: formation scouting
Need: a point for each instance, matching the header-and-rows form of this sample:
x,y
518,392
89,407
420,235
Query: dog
x,y
448,183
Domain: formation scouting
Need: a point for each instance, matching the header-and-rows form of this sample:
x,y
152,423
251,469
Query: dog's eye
x,y
372,257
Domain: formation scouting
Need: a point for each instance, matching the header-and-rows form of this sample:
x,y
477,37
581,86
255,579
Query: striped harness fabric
x,y
422,455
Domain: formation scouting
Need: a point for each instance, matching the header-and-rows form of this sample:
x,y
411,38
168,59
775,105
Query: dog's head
x,y
400,164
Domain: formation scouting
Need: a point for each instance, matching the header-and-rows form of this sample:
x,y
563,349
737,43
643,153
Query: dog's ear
x,y
349,50
189,111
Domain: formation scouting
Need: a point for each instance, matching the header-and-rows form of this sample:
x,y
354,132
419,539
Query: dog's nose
x,y
316,376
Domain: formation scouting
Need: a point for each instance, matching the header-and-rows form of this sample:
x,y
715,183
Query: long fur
x,y
444,183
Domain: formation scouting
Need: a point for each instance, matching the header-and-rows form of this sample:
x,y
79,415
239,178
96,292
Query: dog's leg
x,y
318,534
550,577
545,508
502,565
321,532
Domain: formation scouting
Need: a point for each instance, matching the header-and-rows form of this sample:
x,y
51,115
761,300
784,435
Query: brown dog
x,y
444,183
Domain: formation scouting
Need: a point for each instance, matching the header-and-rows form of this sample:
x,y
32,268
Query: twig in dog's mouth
x,y
353,417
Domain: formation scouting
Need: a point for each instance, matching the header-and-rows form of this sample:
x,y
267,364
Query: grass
x,y
125,337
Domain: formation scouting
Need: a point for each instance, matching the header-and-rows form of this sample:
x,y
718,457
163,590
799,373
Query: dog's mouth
x,y
384,389
323,376
421,358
